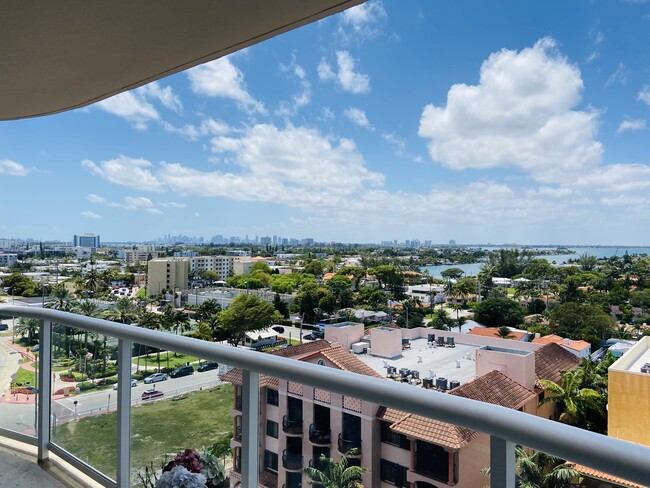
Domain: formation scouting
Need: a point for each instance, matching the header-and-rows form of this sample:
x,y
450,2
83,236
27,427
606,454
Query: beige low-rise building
x,y
167,274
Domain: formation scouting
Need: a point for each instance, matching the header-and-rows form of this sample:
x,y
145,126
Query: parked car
x,y
278,328
134,382
155,378
32,389
207,367
316,334
4,327
151,393
182,371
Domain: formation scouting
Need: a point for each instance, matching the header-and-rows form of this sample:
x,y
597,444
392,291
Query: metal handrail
x,y
614,456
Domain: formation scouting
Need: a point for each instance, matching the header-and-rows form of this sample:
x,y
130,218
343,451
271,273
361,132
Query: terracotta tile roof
x,y
552,360
600,476
495,387
335,354
492,332
425,429
347,362
268,479
299,351
556,339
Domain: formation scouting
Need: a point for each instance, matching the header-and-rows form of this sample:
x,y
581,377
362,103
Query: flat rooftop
x,y
443,361
634,358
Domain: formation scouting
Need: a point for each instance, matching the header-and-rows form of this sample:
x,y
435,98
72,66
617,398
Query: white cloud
x,y
126,171
520,114
12,168
357,117
300,99
96,199
221,78
616,178
350,80
325,72
633,124
397,141
346,77
619,76
91,215
362,22
135,106
164,95
207,127
644,94
173,205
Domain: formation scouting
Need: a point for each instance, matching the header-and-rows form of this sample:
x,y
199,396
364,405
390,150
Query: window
x,y
390,437
271,461
431,460
392,473
272,428
272,397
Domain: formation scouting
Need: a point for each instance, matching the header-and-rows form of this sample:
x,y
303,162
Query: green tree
x,y
494,312
123,311
60,299
333,474
207,309
315,267
581,321
539,470
246,313
28,327
441,319
452,273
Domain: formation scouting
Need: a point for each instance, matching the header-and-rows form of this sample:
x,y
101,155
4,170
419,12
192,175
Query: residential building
x,y
167,274
7,259
222,265
141,254
86,240
299,422
629,395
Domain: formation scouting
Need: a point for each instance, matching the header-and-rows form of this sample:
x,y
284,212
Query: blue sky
x,y
510,121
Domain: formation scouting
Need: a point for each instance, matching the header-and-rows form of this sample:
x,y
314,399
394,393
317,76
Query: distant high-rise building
x,y
86,240
452,242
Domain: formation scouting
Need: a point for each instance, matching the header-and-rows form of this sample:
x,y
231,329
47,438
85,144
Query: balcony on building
x,y
350,436
292,421
291,462
319,432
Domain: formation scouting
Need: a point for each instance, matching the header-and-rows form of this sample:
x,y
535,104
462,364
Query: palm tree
x,y
539,470
123,311
146,320
28,327
441,319
332,474
60,299
504,332
581,402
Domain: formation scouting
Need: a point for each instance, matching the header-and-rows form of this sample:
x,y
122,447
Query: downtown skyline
x,y
419,120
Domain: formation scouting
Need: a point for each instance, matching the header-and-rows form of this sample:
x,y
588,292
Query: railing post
x,y
502,463
250,429
44,389
124,413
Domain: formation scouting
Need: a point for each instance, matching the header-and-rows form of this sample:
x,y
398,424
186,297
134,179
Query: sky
x,y
479,121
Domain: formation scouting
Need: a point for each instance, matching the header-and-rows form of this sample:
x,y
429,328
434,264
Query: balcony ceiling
x,y
56,56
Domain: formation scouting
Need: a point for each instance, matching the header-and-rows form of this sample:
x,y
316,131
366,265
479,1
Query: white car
x,y
155,378
134,382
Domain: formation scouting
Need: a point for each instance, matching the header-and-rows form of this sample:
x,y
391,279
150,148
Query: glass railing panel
x,y
19,365
183,405
84,397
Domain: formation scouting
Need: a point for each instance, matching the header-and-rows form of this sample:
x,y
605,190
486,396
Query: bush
x,y
86,385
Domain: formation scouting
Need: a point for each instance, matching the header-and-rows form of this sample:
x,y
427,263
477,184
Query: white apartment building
x,y
140,255
223,265
8,259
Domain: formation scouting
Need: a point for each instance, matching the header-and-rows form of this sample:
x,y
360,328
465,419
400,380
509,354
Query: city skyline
x,y
417,121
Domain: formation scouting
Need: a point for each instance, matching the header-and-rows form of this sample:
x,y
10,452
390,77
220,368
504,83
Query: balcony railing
x,y
291,462
320,436
505,426
291,427
346,444
238,433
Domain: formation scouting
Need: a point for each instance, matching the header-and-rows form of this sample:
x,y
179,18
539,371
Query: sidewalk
x,y
22,398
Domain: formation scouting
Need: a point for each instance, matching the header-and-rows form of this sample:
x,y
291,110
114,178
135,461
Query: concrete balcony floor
x,y
20,469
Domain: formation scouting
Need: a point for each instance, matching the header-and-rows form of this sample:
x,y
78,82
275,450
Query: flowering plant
x,y
188,469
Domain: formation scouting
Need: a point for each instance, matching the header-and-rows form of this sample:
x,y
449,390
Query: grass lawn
x,y
23,376
163,427
152,362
